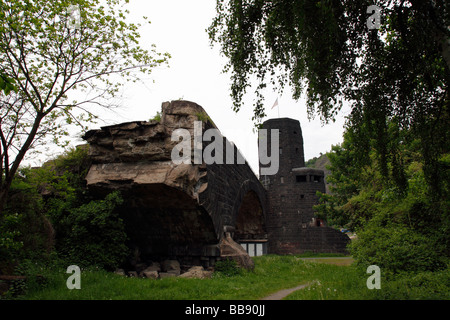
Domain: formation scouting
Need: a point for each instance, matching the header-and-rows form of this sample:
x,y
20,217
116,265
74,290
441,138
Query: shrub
x,y
9,243
395,248
94,235
227,267
32,227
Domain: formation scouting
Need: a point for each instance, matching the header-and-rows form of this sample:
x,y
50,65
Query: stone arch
x,y
249,212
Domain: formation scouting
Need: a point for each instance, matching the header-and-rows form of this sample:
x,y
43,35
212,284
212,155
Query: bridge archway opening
x,y
250,219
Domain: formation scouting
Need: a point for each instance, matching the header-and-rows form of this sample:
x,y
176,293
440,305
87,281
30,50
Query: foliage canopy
x,y
326,49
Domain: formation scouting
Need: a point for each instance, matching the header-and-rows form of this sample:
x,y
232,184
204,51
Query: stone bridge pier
x,y
194,210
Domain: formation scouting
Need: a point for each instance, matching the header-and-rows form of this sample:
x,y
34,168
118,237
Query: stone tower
x,y
291,194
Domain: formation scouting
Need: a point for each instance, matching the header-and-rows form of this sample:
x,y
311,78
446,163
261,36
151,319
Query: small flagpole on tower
x,y
276,104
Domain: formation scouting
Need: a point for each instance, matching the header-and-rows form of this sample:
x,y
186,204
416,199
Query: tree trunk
x,y
5,186
3,198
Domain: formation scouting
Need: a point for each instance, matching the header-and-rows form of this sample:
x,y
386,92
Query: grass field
x,y
271,274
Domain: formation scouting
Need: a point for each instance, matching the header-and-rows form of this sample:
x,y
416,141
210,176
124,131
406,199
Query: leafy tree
x,y
6,84
50,49
350,171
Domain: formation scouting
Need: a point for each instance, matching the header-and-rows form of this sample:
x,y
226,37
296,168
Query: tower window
x,y
296,150
316,178
281,179
281,150
300,178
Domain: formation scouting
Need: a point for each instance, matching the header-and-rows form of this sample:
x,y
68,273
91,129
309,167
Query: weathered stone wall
x,y
174,210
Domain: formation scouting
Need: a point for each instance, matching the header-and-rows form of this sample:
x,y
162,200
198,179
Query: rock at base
x,y
196,272
229,249
171,266
150,274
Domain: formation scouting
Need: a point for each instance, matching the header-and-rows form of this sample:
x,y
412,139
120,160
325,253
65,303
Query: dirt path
x,y
339,261
279,295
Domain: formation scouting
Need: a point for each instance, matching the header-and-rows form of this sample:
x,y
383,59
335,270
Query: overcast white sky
x,y
194,74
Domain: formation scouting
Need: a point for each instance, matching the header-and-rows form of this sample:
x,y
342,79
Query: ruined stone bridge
x,y
196,210
185,210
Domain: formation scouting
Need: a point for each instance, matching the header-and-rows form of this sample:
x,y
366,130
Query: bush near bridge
x,y
51,213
